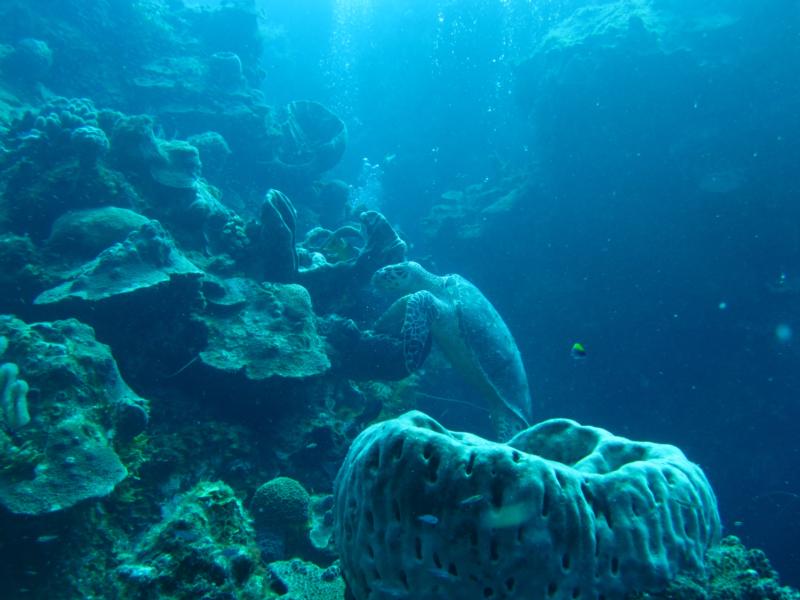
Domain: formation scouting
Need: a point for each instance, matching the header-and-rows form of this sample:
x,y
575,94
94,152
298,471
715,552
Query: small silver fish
x,y
231,552
441,574
471,500
428,519
392,591
44,539
187,536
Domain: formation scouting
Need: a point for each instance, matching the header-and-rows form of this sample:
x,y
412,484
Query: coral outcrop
x,y
281,502
55,162
560,511
298,580
734,573
332,283
270,332
85,233
148,257
280,510
80,407
178,164
203,549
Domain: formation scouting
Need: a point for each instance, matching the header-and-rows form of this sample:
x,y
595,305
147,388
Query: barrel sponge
x,y
560,511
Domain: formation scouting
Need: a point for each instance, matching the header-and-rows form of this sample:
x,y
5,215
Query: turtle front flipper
x,y
419,316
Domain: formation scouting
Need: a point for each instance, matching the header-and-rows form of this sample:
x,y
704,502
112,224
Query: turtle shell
x,y
492,347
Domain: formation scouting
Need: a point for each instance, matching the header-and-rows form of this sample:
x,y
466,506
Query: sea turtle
x,y
454,313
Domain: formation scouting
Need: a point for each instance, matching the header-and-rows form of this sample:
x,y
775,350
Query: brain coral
x,y
281,501
560,511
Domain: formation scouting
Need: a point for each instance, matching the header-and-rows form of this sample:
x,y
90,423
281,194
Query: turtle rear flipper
x,y
420,312
505,423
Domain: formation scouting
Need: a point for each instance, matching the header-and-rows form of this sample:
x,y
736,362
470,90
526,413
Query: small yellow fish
x,y
578,352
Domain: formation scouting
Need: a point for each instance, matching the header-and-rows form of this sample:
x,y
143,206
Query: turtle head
x,y
405,277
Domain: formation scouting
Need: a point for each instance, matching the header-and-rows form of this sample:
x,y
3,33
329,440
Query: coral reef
x,y
83,234
281,502
66,453
733,573
561,511
297,580
271,332
178,164
363,354
147,258
480,210
55,163
214,153
204,548
23,272
280,510
164,199
332,284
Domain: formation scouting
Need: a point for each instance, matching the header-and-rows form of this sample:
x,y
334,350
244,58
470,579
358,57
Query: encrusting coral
x,y
66,454
203,549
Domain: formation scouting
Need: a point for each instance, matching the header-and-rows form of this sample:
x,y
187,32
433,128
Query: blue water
x,y
621,174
